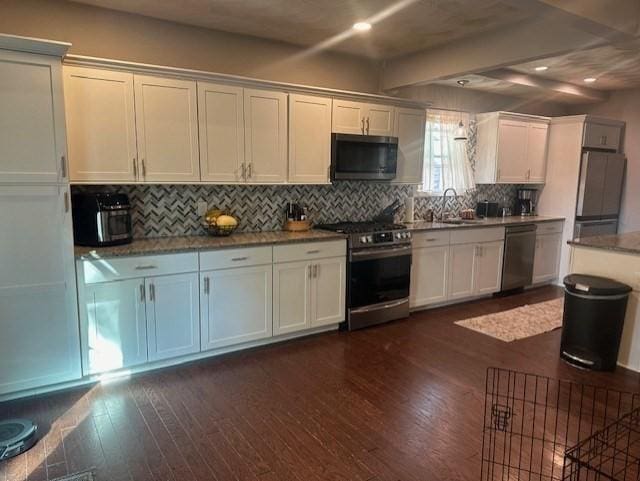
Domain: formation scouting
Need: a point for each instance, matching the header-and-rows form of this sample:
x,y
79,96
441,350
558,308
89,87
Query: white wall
x,y
625,105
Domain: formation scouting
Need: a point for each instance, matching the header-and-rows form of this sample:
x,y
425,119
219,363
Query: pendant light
x,y
461,132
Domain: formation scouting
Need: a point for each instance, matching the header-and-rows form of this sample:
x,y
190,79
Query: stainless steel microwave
x,y
363,157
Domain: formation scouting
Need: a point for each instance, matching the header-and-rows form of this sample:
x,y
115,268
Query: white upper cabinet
x,y
410,128
32,126
40,342
537,134
362,118
309,139
101,125
167,129
600,135
173,315
512,148
221,122
265,115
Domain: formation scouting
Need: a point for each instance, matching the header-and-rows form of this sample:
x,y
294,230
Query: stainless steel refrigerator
x,y
599,193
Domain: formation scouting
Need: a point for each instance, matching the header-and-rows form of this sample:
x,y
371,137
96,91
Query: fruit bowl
x,y
219,230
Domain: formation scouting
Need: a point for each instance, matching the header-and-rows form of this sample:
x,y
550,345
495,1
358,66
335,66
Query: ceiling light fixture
x,y
362,26
460,133
541,68
590,80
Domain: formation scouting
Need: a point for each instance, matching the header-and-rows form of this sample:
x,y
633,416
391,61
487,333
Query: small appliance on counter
x,y
295,219
101,219
486,209
526,202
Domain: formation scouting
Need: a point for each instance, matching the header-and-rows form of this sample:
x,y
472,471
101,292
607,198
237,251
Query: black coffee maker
x,y
526,201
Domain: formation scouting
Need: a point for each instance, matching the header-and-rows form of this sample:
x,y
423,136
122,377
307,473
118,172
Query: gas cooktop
x,y
360,227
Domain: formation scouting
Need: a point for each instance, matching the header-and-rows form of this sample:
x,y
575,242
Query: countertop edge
x,y
622,250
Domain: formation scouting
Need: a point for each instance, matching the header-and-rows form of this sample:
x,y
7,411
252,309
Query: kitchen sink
x,y
461,221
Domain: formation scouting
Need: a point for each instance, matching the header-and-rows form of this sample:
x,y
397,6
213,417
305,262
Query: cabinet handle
x,y
206,285
142,295
66,201
316,269
310,271
145,268
498,175
367,125
237,259
250,170
431,239
135,168
63,167
152,292
315,251
362,125
603,140
528,174
144,169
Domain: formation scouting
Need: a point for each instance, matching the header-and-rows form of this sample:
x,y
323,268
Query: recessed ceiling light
x,y
541,68
590,80
462,82
362,26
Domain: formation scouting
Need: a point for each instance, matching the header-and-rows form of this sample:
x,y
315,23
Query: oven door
x,y
363,157
114,226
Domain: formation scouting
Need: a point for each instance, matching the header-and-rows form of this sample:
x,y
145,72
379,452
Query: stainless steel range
x,y
378,271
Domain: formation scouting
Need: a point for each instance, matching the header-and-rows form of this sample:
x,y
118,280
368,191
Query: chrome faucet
x,y
444,201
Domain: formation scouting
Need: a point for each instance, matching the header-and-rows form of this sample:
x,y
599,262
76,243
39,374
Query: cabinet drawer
x,y
245,257
106,270
309,250
550,228
468,236
431,238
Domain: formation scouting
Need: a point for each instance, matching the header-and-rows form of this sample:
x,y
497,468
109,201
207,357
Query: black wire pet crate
x,y
543,429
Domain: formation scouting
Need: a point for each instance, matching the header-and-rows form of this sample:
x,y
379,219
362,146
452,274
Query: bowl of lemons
x,y
219,223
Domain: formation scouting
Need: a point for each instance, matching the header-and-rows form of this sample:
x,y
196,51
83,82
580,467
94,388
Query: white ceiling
x,y
400,26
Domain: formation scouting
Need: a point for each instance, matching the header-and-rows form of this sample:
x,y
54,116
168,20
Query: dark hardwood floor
x,y
403,401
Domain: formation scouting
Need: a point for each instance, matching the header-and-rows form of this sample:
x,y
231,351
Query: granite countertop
x,y
629,243
488,222
172,245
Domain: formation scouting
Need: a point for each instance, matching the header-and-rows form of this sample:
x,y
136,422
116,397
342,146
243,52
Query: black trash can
x,y
594,310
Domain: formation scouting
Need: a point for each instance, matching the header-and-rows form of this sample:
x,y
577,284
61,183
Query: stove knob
x,y
369,238
398,235
363,239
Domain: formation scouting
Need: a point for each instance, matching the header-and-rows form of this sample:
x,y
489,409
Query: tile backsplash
x,y
170,210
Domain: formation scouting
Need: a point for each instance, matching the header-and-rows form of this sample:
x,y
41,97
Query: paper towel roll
x,y
409,210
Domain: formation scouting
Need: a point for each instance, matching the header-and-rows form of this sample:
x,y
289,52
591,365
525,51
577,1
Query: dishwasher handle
x,y
517,229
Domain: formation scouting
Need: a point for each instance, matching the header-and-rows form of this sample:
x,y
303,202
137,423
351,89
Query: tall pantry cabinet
x,y
39,344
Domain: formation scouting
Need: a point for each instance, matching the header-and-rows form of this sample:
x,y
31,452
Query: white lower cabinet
x,y
308,294
429,275
173,324
116,334
236,305
462,267
547,257
488,267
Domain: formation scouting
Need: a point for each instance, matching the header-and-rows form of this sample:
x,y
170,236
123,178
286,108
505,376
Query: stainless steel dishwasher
x,y
519,250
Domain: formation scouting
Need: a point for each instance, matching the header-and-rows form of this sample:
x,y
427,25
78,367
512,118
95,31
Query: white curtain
x,y
446,163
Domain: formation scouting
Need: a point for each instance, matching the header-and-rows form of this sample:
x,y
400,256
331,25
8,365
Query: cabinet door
x,y
537,152
429,275
291,297
462,267
309,139
379,119
348,117
221,121
488,267
101,125
409,128
236,306
602,136
173,323
114,325
328,291
547,258
512,151
32,130
265,117
39,342
167,129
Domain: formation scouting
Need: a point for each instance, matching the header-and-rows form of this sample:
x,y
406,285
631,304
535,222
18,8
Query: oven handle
x,y
380,253
377,307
